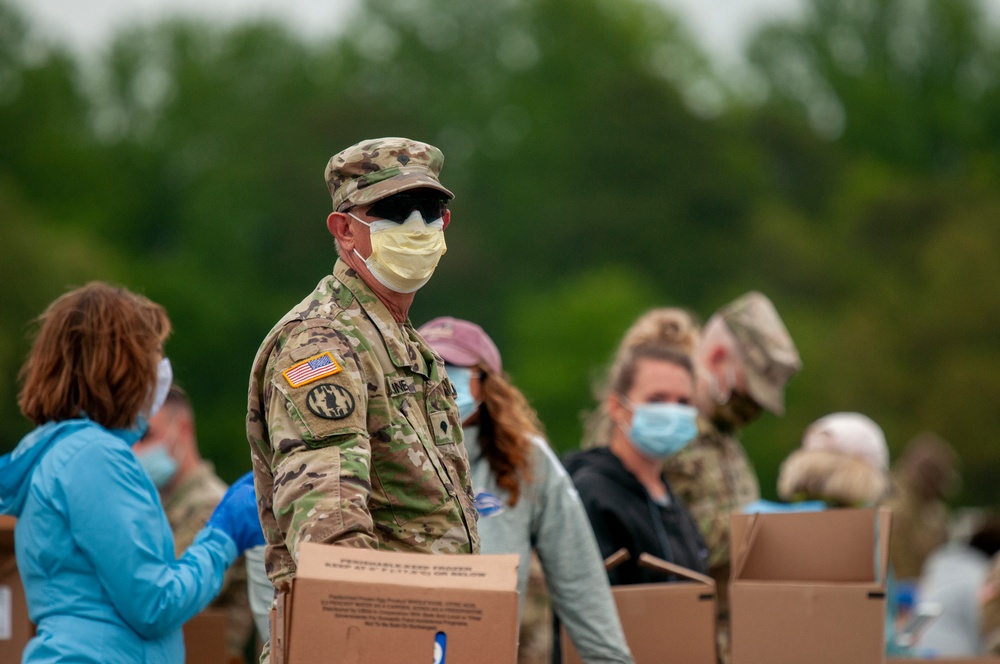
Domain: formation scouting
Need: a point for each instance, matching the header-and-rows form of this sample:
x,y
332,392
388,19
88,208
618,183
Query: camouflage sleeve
x,y
714,478
320,448
696,478
187,526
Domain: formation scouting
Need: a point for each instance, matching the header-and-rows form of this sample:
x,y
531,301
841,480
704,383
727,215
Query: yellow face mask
x,y
404,255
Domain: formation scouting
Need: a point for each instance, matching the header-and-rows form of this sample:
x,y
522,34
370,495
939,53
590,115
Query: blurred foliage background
x,y
602,166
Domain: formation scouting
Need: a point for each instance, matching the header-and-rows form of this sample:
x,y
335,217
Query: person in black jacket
x,y
621,483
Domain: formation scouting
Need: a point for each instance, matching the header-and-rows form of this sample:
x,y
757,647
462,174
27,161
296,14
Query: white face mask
x,y
164,379
404,255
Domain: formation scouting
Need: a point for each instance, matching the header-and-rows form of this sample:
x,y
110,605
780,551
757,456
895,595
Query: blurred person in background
x,y
925,475
662,325
745,360
525,499
989,602
648,399
93,545
190,490
843,462
953,578
354,433
260,592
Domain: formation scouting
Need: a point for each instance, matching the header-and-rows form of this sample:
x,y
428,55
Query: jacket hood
x,y
17,467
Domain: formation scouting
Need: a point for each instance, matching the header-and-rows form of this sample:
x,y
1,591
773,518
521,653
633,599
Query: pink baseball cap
x,y
461,343
852,434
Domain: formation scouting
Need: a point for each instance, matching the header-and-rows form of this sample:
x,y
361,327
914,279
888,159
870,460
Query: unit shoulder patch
x,y
311,369
331,402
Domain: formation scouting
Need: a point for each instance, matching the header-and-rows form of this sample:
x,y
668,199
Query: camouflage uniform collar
x,y
707,428
398,337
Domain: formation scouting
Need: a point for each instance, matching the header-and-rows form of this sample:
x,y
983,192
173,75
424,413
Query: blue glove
x,y
236,515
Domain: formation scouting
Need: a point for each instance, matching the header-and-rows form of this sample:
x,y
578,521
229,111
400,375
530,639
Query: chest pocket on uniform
x,y
406,464
443,428
444,424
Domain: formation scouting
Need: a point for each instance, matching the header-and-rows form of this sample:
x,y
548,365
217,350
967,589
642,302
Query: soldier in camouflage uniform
x,y
747,358
190,490
354,433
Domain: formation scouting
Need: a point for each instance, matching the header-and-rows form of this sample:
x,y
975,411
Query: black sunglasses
x,y
399,206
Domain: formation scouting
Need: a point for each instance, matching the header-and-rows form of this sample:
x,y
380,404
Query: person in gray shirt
x,y
526,500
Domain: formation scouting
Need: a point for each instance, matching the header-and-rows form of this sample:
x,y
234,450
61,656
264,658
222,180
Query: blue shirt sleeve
x,y
120,526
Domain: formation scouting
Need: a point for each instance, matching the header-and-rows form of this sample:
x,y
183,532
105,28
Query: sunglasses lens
x,y
398,207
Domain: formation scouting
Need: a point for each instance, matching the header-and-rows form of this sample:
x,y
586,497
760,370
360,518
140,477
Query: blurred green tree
x,y
601,168
902,81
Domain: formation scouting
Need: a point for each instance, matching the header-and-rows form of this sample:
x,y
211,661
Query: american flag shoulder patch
x,y
312,369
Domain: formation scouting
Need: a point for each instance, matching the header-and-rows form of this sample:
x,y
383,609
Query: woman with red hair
x,y
525,498
93,546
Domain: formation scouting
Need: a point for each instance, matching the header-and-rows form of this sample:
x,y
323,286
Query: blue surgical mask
x,y
461,378
158,464
661,430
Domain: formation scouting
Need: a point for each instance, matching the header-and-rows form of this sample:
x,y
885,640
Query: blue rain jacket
x,y
95,551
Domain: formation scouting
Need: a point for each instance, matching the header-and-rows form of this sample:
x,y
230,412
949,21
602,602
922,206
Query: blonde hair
x,y
95,354
669,326
665,333
837,479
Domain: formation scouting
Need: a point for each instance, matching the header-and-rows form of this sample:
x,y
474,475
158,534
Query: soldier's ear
x,y
185,423
716,356
339,225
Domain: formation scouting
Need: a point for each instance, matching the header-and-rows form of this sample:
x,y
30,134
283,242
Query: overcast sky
x,y
721,25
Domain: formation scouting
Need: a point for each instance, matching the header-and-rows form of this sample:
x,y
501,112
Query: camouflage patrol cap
x,y
769,356
380,167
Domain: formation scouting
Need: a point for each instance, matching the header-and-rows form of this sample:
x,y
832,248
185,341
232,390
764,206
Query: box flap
x,y
616,559
652,562
883,528
835,545
465,572
742,530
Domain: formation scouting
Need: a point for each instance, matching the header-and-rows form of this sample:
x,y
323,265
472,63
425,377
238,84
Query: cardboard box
x,y
663,622
205,638
397,608
945,660
15,628
809,587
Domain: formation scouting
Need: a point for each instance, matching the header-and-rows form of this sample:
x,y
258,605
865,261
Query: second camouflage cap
x,y
770,358
380,167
